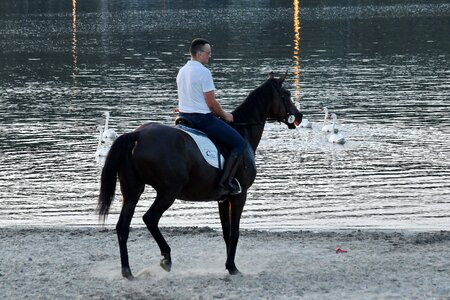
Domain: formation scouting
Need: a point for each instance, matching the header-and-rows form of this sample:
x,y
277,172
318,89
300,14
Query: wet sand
x,y
84,263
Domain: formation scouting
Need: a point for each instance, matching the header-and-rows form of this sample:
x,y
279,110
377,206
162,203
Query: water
x,y
382,66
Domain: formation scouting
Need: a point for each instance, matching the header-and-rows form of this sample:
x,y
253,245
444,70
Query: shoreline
x,y
84,263
111,226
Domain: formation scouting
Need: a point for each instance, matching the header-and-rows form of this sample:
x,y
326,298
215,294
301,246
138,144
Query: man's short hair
x,y
197,45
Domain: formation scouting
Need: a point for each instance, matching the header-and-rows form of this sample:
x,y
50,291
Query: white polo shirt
x,y
193,80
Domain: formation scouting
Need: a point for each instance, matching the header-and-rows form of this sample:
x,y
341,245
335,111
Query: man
x,y
198,104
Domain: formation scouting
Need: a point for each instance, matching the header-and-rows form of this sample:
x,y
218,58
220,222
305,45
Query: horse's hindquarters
x,y
168,159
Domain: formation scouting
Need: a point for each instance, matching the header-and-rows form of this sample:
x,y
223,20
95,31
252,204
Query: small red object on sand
x,y
339,250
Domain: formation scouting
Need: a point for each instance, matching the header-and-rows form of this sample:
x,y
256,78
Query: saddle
x,y
208,149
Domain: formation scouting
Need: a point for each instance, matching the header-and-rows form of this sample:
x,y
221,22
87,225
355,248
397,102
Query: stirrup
x,y
235,187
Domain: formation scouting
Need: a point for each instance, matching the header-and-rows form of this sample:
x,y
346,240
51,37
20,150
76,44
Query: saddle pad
x,y
205,145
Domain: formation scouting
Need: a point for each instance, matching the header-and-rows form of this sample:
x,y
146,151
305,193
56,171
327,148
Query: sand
x,y
83,263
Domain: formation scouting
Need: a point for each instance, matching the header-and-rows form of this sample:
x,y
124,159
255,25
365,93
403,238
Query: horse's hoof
x,y
166,264
233,271
126,273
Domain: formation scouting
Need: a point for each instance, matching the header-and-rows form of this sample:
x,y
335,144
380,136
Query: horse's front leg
x,y
236,205
224,213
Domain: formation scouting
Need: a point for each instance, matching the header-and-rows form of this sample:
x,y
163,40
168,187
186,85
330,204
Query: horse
x,y
167,159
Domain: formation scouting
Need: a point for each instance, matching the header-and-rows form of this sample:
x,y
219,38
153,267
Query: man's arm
x,y
216,108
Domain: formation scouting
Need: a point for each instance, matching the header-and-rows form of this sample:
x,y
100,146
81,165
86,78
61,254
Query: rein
x,y
257,123
247,123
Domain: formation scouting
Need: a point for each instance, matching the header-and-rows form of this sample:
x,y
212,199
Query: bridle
x,y
286,100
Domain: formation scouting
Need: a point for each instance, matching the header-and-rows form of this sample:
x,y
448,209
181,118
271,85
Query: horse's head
x,y
282,108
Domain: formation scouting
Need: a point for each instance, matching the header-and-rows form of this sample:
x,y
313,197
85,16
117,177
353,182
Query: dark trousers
x,y
218,131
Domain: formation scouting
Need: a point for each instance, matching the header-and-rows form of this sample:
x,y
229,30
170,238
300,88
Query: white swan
x,y
326,127
335,137
109,134
102,149
306,123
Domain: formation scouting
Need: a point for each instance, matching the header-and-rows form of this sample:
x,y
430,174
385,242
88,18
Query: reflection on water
x,y
382,68
74,44
296,54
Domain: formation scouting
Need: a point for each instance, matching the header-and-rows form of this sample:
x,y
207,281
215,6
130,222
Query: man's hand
x,y
228,117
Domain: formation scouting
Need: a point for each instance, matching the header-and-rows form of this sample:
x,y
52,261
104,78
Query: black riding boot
x,y
228,183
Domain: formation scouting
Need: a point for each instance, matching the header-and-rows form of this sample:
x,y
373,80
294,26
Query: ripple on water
x,y
390,91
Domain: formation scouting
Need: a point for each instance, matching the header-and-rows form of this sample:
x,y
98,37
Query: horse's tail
x,y
118,152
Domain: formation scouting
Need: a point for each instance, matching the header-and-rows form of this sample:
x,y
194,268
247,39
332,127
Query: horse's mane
x,y
255,101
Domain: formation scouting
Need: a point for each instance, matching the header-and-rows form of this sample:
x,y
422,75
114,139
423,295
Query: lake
x,y
381,66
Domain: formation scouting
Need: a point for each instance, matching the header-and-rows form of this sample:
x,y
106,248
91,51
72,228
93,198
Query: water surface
x,y
381,66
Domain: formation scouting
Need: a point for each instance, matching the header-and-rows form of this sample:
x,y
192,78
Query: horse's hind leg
x,y
151,218
130,199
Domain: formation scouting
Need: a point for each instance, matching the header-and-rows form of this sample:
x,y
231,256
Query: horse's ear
x,y
271,76
282,78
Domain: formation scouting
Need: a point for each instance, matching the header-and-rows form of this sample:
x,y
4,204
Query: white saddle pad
x,y
206,146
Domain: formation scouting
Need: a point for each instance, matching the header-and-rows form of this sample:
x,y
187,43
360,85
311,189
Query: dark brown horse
x,y
168,159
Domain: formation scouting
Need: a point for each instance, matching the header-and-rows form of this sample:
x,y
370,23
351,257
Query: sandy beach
x,y
83,263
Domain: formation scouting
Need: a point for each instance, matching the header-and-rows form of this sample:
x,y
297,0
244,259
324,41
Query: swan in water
x,y
335,137
327,127
109,134
102,148
106,138
306,123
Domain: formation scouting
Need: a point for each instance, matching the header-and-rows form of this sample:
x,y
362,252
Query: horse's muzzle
x,y
294,120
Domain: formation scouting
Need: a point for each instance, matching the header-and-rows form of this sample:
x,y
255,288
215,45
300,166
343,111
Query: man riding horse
x,y
169,160
198,104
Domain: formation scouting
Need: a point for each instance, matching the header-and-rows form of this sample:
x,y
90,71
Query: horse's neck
x,y
251,115
252,134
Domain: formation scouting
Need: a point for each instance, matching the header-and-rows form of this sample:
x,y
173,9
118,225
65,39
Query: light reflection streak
x,y
74,45
296,50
